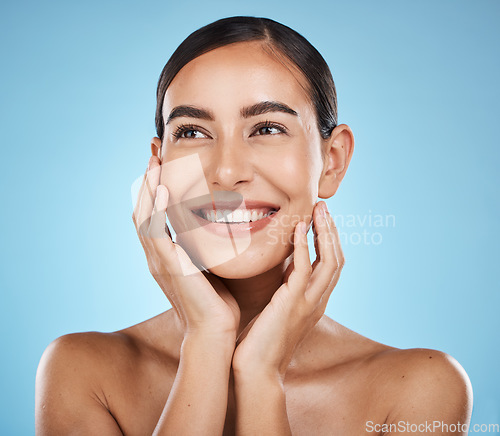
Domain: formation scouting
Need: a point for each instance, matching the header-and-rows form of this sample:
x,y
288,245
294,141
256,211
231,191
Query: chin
x,y
243,268
225,263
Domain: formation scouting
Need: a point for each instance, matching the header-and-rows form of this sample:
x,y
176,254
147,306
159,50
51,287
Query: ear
x,y
337,156
156,147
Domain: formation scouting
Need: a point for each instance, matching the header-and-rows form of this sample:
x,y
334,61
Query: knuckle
x,y
303,310
306,269
152,268
332,267
143,228
341,262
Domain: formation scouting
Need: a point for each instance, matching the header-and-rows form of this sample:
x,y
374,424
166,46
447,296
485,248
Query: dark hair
x,y
287,41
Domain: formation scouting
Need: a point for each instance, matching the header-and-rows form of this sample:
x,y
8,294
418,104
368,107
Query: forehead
x,y
232,76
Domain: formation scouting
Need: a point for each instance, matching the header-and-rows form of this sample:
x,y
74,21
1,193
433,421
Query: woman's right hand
x,y
201,301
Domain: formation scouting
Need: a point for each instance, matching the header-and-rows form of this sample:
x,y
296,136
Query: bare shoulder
x,y
364,382
422,369
90,361
86,353
405,374
83,379
92,356
69,393
422,385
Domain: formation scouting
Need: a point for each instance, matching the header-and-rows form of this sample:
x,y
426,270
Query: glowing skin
x,y
249,351
270,165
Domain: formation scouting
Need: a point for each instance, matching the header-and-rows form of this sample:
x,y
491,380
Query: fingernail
x,y
324,210
150,162
321,211
160,189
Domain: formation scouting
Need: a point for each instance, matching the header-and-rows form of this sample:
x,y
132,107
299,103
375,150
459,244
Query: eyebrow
x,y
260,108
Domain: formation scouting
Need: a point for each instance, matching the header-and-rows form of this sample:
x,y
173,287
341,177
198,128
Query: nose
x,y
230,165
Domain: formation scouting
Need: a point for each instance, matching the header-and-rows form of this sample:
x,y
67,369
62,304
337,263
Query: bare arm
x,y
197,403
261,406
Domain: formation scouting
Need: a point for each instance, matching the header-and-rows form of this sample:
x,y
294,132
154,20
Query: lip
x,y
235,204
240,229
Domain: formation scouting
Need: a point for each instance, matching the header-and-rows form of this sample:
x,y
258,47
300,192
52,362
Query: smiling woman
x,y
247,141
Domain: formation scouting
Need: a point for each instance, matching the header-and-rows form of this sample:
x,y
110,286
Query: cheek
x,y
297,175
185,181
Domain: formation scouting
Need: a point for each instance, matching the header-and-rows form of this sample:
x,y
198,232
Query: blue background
x,y
416,81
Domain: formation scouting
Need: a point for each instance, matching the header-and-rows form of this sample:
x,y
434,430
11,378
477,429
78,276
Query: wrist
x,y
210,342
256,377
247,368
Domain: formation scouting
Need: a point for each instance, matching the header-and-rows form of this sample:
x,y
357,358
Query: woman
x,y
247,141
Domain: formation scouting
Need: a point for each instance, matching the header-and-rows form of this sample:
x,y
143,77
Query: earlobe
x,y
156,147
339,149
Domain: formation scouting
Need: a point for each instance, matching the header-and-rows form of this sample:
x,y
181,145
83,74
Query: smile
x,y
236,216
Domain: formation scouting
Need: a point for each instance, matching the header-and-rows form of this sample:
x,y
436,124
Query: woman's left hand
x,y
270,339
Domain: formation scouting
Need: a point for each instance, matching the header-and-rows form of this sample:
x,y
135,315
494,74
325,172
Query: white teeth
x,y
221,216
236,216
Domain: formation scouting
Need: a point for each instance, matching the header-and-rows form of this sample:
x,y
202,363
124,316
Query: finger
x,y
288,269
325,269
138,200
302,268
173,257
157,226
143,241
315,236
338,252
336,240
147,197
140,193
158,240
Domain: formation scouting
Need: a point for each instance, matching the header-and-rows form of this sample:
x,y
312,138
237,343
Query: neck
x,y
254,293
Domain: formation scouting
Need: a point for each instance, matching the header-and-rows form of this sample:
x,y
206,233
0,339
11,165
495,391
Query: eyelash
x,y
183,128
270,124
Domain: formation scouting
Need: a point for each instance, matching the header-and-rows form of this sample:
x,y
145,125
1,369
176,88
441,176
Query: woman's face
x,y
240,134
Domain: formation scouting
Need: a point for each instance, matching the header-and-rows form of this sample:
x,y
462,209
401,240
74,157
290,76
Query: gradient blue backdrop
x,y
416,81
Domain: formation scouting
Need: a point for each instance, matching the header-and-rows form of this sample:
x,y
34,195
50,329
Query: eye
x,y
269,129
191,133
188,132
